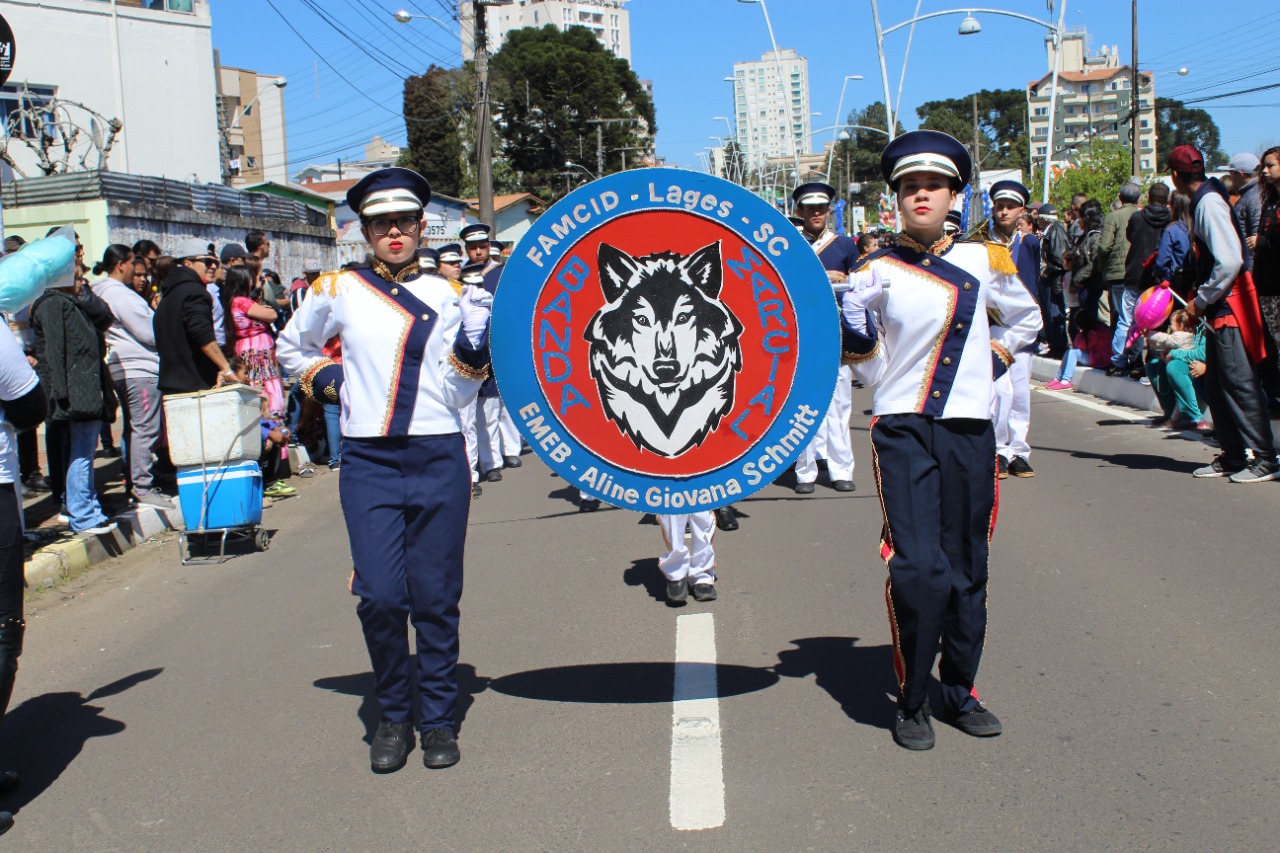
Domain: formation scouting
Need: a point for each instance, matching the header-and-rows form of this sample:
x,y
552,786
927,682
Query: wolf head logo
x,y
664,348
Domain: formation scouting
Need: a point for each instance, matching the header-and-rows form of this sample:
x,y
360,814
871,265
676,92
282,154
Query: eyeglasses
x,y
403,224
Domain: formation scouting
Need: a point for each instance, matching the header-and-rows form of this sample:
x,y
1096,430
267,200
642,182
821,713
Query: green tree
x,y
546,86
1002,125
437,108
1178,124
1099,171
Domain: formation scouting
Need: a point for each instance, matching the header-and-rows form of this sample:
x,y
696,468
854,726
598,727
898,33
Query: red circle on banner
x,y
751,290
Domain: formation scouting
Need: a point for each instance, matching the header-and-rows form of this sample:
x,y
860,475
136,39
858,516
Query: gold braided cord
x,y
383,271
939,246
309,376
465,370
847,357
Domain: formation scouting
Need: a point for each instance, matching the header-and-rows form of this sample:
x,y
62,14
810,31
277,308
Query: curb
x,y
1096,383
70,556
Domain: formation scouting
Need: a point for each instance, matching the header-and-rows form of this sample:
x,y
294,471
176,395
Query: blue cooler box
x,y
234,495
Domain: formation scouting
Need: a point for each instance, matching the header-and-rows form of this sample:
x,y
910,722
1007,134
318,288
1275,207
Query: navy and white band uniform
x,y
915,328
838,254
415,352
1011,405
450,260
497,438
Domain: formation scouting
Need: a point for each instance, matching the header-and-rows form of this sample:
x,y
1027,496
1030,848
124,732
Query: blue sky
x,y
687,47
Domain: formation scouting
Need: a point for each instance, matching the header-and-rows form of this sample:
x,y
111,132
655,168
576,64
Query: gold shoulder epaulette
x,y
327,281
1000,259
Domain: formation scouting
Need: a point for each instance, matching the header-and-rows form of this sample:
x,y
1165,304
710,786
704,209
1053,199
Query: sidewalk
x,y
55,553
1113,389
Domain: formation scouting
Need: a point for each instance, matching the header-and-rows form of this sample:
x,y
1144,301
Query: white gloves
x,y
865,289
476,304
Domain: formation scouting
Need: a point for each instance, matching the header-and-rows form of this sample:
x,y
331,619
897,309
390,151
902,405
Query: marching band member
x,y
689,568
915,328
450,259
1011,406
499,440
428,259
838,254
414,353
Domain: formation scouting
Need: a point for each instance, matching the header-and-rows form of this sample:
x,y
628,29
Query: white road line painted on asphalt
x,y
1122,412
697,767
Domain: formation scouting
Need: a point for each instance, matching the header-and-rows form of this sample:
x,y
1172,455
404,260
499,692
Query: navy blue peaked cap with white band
x,y
925,151
387,191
814,192
1012,190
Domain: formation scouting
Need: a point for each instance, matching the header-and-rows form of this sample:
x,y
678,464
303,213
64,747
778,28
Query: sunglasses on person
x,y
211,263
381,227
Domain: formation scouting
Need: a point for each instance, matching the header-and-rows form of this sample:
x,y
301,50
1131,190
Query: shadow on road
x,y
43,735
361,684
860,678
646,573
1132,461
625,683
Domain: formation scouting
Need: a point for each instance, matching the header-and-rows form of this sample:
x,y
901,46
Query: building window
x,y
1042,131
34,98
1043,111
1144,123
1146,164
1084,88
1040,151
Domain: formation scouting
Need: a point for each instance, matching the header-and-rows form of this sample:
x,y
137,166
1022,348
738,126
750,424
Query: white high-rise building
x,y
606,18
772,112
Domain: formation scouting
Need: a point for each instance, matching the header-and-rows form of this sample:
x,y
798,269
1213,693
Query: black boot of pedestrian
x,y
391,746
440,748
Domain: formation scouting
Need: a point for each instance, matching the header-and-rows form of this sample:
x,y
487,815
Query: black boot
x,y
12,629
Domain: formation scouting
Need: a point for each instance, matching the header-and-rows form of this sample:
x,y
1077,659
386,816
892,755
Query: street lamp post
x,y
777,58
971,26
839,116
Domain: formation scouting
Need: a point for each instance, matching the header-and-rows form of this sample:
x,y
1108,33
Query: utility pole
x,y
600,123
1135,99
224,144
484,130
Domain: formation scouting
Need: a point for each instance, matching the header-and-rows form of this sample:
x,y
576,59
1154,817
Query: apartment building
x,y
607,19
771,106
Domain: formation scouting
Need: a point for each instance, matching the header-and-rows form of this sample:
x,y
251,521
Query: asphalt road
x,y
1131,655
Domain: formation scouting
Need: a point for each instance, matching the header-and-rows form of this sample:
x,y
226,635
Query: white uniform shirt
x,y
933,344
404,370
16,380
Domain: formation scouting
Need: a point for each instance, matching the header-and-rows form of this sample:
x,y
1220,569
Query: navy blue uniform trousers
x,y
406,501
937,483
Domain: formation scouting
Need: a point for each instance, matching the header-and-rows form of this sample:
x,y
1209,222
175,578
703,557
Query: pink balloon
x,y
1153,309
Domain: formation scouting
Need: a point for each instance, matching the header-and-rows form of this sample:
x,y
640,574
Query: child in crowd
x,y
1092,348
692,567
274,437
1170,359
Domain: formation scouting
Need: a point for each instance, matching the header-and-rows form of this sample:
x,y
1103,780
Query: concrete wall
x,y
99,224
160,82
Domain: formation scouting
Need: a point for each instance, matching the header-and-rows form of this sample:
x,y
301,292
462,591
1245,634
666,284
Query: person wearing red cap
x,y
1224,296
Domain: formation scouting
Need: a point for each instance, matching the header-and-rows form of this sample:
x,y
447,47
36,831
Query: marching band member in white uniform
x,y
415,352
689,568
915,327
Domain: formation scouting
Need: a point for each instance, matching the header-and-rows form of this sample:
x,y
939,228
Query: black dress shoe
x,y
1002,467
6,822
842,485
726,518
390,747
704,592
588,504
913,730
440,748
512,461
677,592
37,483
476,491
977,721
805,488
1020,467
494,476
8,781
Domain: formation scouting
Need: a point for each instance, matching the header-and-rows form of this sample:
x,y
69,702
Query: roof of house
x,y
1100,74
331,187
502,202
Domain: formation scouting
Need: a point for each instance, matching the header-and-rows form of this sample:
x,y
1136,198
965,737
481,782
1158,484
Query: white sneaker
x,y
156,499
100,530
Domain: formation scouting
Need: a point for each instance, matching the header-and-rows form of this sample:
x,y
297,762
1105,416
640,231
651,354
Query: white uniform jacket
x,y
407,366
944,326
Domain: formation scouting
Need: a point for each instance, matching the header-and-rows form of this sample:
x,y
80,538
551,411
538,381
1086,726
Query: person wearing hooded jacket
x,y
1144,231
190,358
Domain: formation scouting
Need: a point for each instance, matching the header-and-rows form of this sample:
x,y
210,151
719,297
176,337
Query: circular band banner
x,y
665,340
